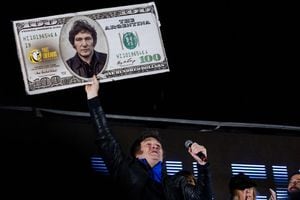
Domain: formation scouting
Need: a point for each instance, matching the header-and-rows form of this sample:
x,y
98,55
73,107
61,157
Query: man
x,y
243,188
294,187
87,61
141,175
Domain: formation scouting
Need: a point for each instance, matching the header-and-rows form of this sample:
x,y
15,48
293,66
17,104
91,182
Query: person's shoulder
x,y
173,180
71,61
101,54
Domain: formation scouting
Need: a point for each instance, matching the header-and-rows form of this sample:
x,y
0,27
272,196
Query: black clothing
x,y
84,69
294,195
132,176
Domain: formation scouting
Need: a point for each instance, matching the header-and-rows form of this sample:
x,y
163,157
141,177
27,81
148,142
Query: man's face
x,y
151,150
294,183
84,44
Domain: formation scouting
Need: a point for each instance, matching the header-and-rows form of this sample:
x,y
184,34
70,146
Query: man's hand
x,y
195,149
92,89
273,194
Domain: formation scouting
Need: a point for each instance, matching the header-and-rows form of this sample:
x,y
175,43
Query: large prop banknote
x,y
128,41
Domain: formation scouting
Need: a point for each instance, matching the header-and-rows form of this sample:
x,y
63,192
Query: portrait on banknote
x,y
83,47
116,43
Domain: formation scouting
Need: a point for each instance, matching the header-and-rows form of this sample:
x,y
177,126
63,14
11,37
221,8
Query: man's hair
x,y
294,173
187,174
136,145
82,26
240,182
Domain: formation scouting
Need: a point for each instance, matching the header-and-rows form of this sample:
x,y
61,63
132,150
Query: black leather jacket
x,y
294,195
132,176
84,69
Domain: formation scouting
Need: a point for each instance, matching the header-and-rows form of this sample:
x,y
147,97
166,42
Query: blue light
x,y
173,167
280,176
98,165
253,171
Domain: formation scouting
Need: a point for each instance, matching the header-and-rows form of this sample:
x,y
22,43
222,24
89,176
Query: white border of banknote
x,y
132,39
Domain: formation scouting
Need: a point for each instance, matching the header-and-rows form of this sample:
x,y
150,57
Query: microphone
x,y
188,144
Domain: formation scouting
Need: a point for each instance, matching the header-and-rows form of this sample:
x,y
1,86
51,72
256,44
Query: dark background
x,y
49,155
229,61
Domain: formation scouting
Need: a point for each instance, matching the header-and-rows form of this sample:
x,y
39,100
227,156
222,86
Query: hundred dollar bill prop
x,y
129,36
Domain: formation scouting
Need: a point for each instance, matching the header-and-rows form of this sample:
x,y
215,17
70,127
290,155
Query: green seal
x,y
130,40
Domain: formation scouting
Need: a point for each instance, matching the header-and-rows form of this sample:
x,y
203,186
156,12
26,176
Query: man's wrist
x,y
91,95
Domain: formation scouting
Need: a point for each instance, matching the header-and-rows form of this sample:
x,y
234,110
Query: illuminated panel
x,y
253,171
173,166
280,176
98,165
261,198
195,169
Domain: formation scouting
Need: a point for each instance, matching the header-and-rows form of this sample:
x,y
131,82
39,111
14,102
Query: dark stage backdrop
x,y
229,61
50,155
